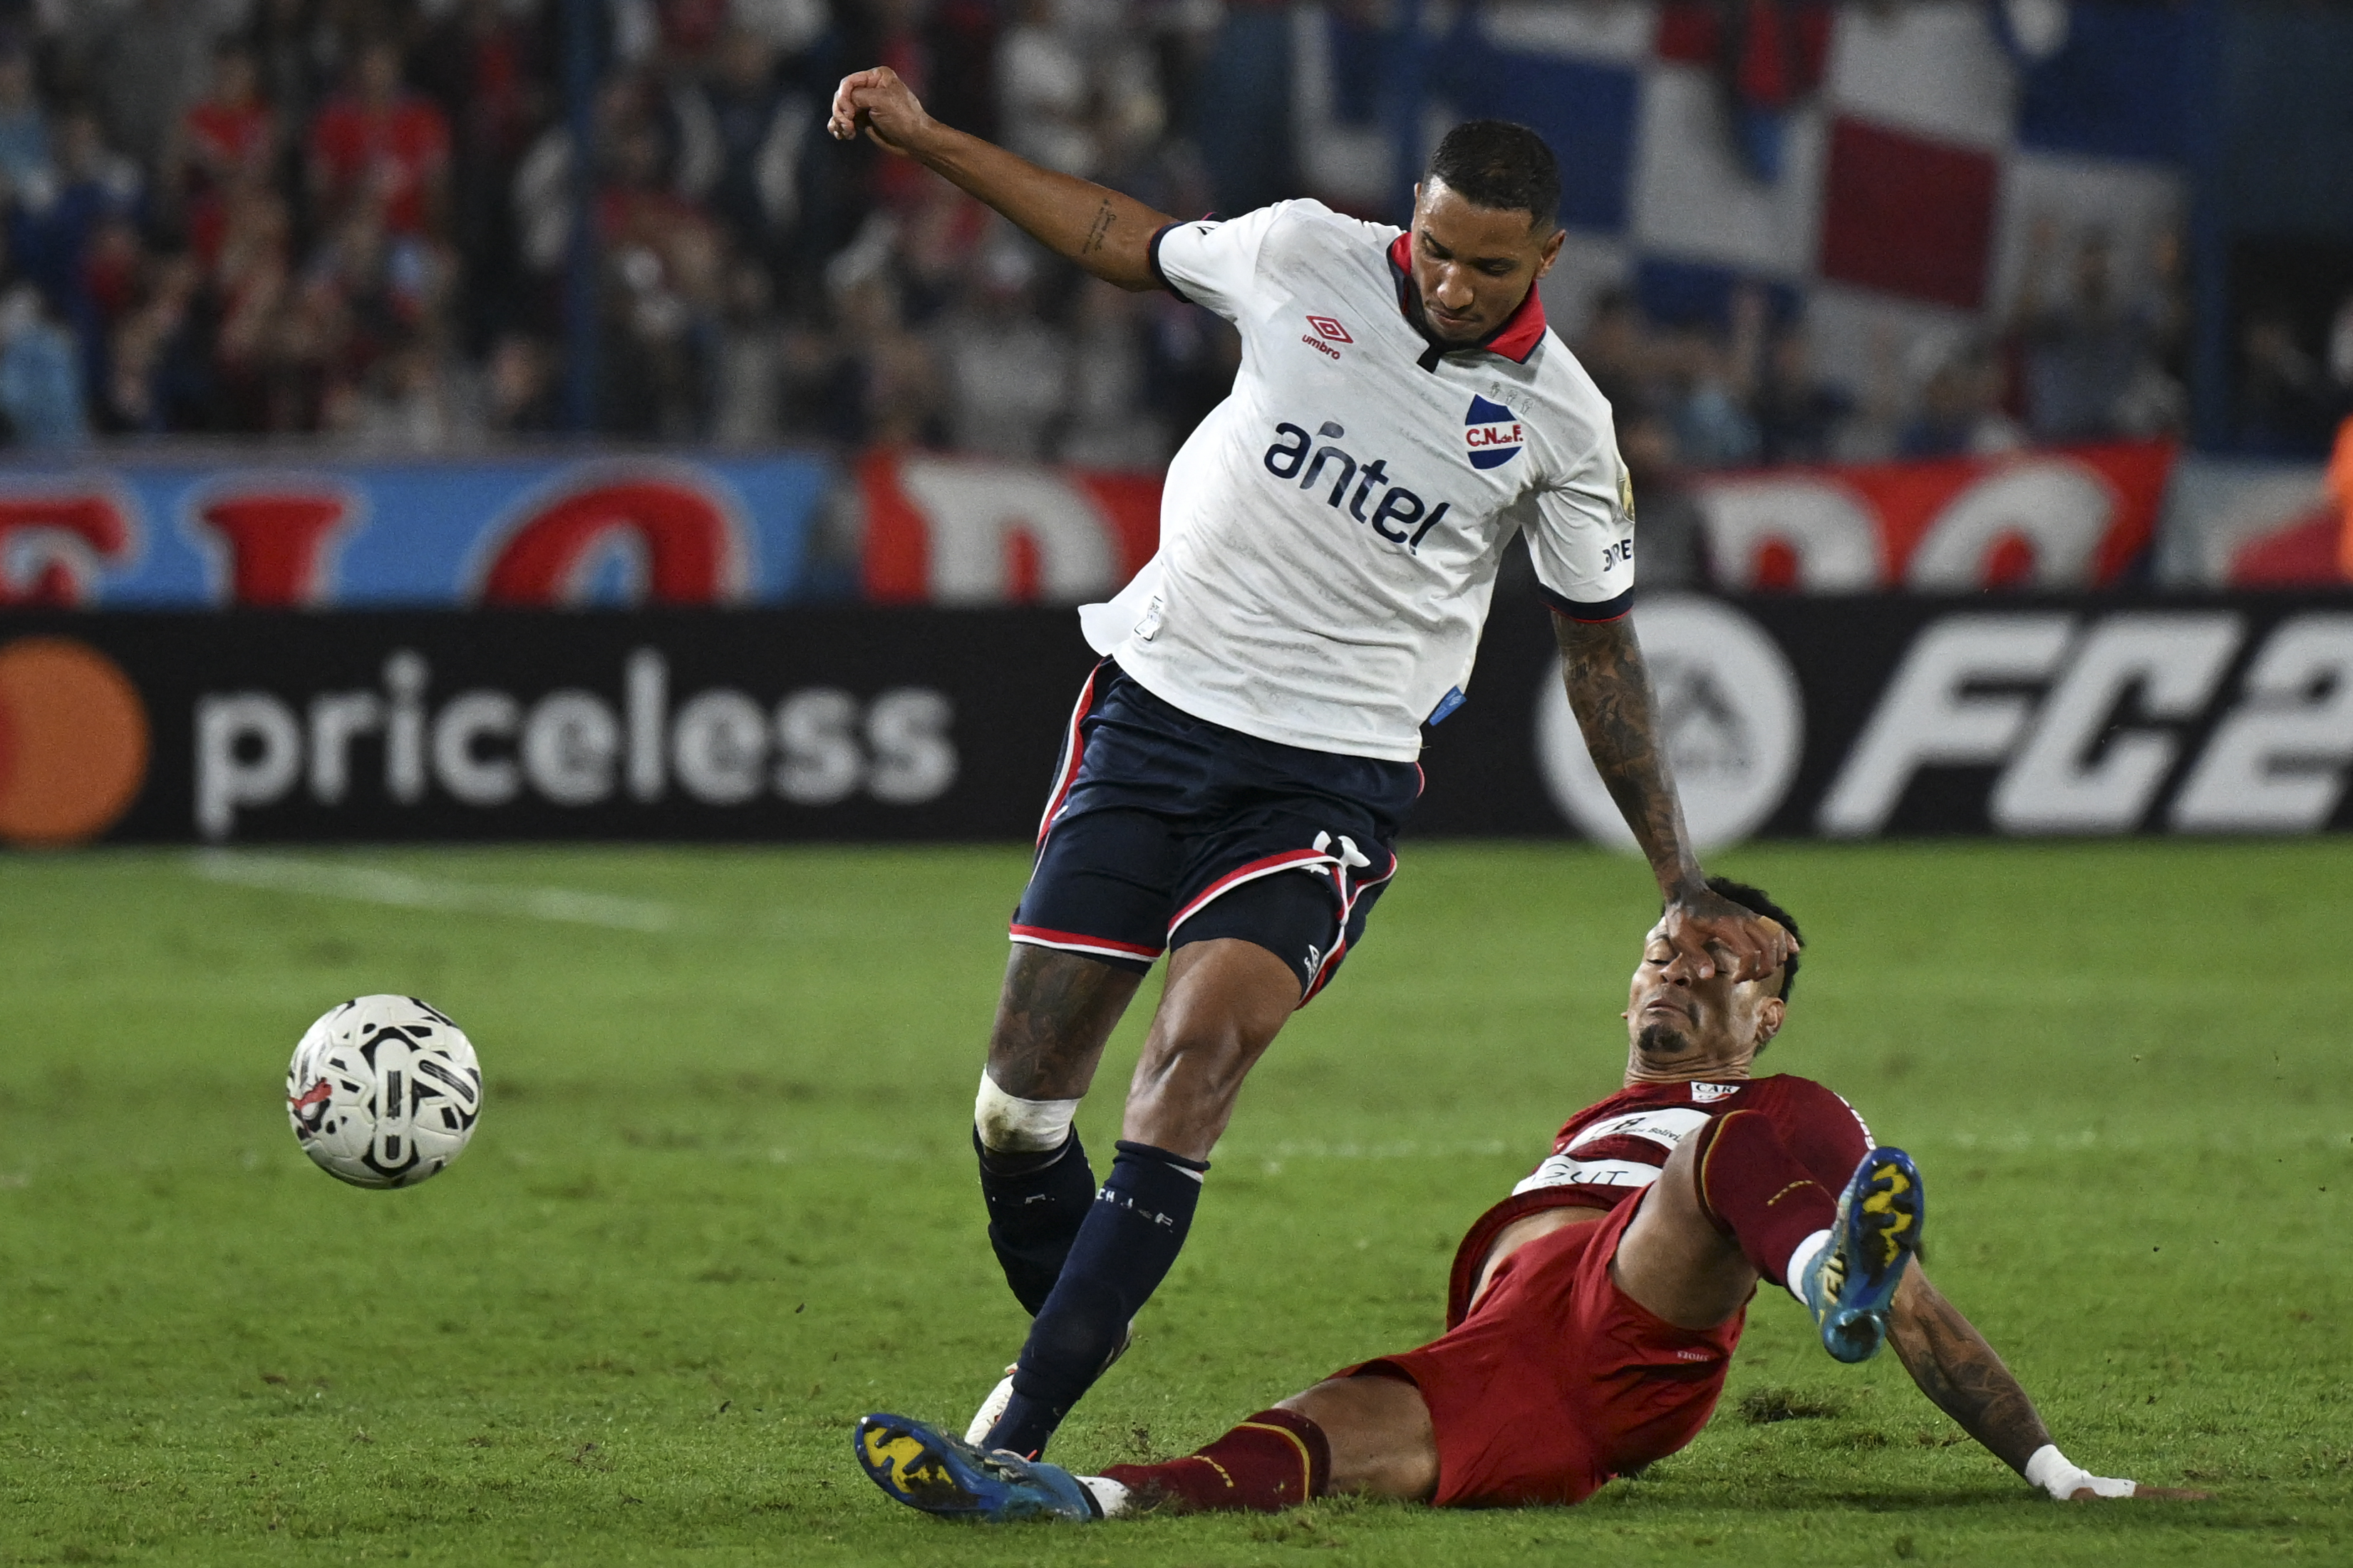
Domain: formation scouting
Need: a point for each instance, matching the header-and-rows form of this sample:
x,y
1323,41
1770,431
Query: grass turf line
x,y
721,1203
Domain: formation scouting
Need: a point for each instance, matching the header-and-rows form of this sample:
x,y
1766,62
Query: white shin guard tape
x,y
1011,1125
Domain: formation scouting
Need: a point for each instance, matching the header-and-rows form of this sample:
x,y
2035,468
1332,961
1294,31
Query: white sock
x,y
1109,1496
1793,1275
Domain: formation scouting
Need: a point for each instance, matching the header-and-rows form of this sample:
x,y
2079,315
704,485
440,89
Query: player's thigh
x,y
1102,887
1090,922
1294,915
1273,876
1673,1260
1224,1002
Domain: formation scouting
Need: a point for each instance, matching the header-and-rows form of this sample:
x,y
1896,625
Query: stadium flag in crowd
x,y
521,530
1888,170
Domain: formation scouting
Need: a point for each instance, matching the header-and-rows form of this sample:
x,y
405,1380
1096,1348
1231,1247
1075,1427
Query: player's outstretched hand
x,y
2067,1481
1713,932
877,102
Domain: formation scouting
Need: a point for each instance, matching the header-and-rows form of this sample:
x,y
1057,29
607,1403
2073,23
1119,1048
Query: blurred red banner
x,y
965,530
950,530
2059,519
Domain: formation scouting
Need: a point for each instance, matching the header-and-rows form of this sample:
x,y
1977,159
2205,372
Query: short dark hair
x,y
1497,165
1755,901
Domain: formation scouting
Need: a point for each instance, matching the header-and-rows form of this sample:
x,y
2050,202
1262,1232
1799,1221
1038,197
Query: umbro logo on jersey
x,y
1327,333
1491,433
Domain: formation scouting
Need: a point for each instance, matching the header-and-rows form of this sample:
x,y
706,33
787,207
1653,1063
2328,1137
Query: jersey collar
x,y
1516,339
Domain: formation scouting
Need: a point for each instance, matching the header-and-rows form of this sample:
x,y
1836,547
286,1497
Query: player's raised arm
x,y
1962,1375
1106,233
1610,691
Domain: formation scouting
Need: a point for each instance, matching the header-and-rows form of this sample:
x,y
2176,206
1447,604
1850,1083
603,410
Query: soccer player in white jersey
x,y
1238,766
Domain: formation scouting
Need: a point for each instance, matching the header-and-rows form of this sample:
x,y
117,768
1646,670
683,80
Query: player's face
x,y
1675,1018
1473,264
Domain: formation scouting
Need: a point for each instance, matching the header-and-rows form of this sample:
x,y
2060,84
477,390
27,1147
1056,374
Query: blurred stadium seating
x,y
1803,234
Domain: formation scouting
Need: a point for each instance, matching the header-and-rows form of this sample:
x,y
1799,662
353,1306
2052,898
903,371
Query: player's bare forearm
x,y
1961,1375
1108,234
1609,692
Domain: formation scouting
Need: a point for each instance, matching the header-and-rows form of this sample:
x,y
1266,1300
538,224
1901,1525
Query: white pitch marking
x,y
374,885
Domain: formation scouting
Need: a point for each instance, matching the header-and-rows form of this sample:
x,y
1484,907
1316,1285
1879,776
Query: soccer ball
x,y
382,1091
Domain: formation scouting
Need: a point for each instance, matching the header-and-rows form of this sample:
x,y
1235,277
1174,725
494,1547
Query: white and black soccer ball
x,y
383,1091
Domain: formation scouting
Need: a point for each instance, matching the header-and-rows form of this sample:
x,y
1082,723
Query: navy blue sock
x,y
1036,1205
1130,1238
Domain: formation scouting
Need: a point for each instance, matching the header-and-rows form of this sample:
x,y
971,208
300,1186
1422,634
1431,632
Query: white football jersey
x,y
1329,535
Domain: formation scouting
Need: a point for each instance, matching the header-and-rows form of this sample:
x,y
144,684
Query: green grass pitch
x,y
721,1203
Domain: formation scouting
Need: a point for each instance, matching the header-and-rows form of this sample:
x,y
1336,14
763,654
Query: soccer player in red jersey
x,y
1592,1314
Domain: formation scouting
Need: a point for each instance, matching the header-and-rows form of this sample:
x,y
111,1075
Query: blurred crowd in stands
x,y
234,217
263,217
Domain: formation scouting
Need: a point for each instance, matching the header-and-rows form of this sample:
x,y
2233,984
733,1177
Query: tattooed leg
x,y
1054,1017
1055,1012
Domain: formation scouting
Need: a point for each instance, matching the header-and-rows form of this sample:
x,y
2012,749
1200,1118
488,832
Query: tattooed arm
x,y
1610,691
1108,234
1963,1377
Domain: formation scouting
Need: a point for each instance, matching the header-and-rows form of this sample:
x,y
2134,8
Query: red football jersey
x,y
230,134
391,154
1614,1148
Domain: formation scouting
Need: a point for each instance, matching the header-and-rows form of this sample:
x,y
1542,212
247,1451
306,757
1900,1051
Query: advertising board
x,y
1790,717
511,530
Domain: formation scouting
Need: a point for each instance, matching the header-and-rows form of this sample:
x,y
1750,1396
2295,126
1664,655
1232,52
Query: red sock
x,y
1273,1460
1756,1190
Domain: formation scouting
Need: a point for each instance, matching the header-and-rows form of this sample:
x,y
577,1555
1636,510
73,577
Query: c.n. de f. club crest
x,y
1491,433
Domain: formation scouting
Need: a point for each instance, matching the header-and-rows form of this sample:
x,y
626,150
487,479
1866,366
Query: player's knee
x,y
1677,1188
1381,1438
1202,1057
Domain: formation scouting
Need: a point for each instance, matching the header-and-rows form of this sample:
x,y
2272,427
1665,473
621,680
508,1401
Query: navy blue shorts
x,y
1161,829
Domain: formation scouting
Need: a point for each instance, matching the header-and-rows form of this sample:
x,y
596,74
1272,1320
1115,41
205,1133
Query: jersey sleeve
x,y
1581,539
1213,262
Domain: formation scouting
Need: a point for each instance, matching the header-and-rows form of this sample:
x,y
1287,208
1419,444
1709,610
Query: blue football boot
x,y
919,1465
1852,1280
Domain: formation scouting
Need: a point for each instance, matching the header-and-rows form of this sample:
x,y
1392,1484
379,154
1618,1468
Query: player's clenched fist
x,y
877,102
